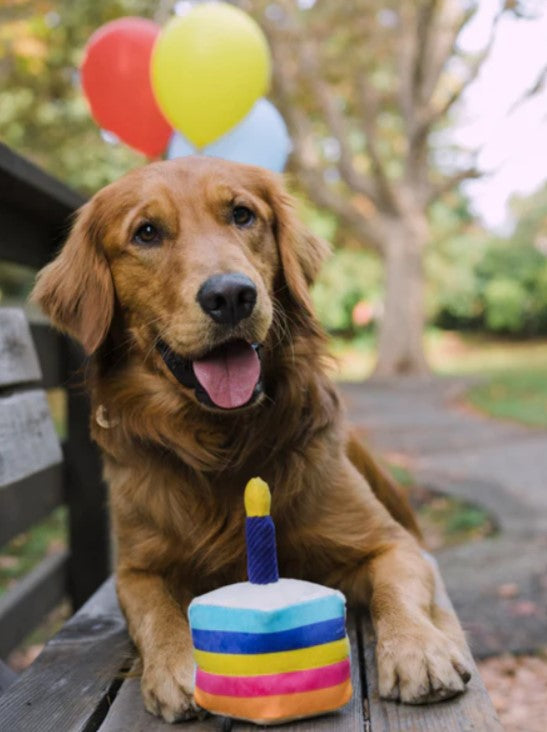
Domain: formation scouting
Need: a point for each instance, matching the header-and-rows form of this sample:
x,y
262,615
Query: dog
x,y
187,282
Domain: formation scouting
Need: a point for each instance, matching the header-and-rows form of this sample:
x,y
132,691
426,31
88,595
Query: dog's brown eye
x,y
147,234
242,216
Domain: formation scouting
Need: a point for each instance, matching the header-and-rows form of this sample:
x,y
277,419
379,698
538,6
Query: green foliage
x,y
503,291
491,284
346,279
24,552
504,305
456,249
15,283
44,115
513,275
447,521
323,223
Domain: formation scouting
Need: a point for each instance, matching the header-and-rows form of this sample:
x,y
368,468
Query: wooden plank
x,y
26,239
86,493
50,350
28,442
24,606
7,677
32,189
128,713
29,500
18,360
72,678
470,712
34,210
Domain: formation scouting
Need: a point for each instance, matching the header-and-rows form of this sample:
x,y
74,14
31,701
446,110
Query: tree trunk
x,y
400,347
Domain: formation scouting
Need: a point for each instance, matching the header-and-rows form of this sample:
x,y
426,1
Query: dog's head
x,y
198,256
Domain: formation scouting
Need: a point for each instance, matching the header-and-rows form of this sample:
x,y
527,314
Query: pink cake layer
x,y
273,684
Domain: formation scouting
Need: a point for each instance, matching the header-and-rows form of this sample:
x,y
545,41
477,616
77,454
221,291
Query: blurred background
x,y
418,134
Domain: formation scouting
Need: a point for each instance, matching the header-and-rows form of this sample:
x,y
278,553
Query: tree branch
x,y
445,24
310,69
437,190
425,23
435,114
536,88
336,124
368,108
311,175
405,62
311,172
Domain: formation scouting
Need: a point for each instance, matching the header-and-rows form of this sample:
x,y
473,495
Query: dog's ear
x,y
301,252
76,289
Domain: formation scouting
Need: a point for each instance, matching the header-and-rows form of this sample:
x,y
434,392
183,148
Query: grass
x,y
513,373
520,396
444,520
447,521
25,551
19,557
463,354
449,353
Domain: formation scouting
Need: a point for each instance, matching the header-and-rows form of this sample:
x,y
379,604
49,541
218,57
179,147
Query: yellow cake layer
x,y
232,664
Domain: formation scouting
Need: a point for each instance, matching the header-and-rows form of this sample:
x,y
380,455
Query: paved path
x,y
498,585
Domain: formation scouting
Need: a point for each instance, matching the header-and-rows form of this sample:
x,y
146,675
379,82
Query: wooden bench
x,y
38,474
80,681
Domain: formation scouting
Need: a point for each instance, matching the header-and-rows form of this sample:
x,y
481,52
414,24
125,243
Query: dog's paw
x,y
167,689
420,666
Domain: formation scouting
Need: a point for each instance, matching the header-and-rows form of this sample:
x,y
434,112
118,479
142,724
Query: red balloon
x,y
116,82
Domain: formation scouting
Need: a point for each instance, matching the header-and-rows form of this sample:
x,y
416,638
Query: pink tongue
x,y
229,374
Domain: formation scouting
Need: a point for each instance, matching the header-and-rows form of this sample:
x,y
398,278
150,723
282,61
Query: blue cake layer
x,y
304,636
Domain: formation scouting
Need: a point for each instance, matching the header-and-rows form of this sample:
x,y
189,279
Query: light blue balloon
x,y
179,147
260,139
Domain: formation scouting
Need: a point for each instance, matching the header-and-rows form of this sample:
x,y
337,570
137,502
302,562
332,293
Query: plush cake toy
x,y
269,650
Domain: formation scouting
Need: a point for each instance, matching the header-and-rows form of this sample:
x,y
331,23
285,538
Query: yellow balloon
x,y
208,68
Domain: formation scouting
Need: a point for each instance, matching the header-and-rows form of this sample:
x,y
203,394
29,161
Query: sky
x,y
513,145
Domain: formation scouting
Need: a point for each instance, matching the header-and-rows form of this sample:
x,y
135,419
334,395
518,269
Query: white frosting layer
x,y
273,596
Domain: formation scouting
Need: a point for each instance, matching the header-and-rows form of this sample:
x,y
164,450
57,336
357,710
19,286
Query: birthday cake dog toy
x,y
269,650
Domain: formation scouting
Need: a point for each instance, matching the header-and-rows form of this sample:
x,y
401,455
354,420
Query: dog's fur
x,y
176,469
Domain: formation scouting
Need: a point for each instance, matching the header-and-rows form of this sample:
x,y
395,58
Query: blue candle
x,y
260,534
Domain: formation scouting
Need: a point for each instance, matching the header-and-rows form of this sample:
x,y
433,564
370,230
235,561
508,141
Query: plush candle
x,y
269,650
260,534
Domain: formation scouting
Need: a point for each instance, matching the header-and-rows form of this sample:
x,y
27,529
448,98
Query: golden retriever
x,y
188,283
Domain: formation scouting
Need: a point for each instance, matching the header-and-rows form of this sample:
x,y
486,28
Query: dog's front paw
x,y
168,687
420,665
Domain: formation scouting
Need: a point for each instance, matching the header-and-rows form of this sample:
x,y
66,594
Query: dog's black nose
x,y
227,298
